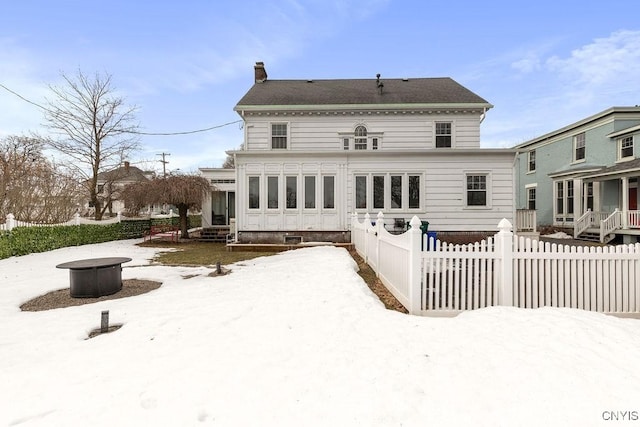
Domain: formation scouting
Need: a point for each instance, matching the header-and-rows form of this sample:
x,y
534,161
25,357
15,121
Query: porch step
x,y
592,237
214,234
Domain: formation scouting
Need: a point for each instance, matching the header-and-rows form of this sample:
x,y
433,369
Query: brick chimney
x,y
261,73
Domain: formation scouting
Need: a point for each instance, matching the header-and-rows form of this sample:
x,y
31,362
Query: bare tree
x,y
230,161
31,187
93,129
183,191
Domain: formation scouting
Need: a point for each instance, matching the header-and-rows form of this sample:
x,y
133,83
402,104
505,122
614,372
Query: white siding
x,y
442,195
398,131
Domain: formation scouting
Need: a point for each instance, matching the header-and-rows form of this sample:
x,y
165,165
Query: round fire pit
x,y
95,277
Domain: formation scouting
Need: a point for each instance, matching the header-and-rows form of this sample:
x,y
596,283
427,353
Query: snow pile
x,y
297,339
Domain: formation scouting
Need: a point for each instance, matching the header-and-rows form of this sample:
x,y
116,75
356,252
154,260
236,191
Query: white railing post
x,y
11,222
415,266
504,249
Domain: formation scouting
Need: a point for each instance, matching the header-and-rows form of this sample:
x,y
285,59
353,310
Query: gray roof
x,y
441,90
630,167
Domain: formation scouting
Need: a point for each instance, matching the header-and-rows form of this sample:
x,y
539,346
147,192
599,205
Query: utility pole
x,y
164,163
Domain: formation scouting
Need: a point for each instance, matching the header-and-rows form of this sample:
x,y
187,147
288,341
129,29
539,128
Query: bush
x,y
27,240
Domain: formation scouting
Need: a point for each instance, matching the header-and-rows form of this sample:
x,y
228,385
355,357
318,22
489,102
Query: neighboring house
x,y
317,151
111,182
585,173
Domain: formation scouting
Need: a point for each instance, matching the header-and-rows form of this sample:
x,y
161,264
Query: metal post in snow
x,y
104,322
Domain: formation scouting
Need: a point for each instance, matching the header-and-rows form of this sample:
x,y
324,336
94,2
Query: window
x,y
532,161
361,192
531,198
443,134
360,141
589,189
254,192
100,189
374,143
559,201
345,143
328,192
396,192
570,200
414,192
565,201
309,192
278,135
272,192
579,146
378,192
292,192
626,147
476,190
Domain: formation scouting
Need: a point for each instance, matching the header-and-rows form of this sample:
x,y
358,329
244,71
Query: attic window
x,y
360,138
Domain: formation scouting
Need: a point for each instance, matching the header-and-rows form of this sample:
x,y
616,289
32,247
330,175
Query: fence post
x,y
415,266
11,222
76,218
367,225
504,250
379,228
119,216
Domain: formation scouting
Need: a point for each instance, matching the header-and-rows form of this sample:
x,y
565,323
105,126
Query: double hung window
x,y
443,134
476,190
579,147
279,135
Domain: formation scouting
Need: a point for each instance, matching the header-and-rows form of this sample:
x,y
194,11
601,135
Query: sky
x,y
286,340
185,65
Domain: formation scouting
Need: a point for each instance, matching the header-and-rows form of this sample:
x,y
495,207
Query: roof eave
x,y
355,107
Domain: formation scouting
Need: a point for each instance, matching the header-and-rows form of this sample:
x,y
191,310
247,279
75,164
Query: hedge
x,y
27,240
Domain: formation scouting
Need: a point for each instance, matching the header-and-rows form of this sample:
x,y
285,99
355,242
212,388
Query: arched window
x,y
360,141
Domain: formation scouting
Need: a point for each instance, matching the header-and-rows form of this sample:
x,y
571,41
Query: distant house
x,y
111,182
317,151
585,175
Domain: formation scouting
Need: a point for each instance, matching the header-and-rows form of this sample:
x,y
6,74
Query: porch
x,y
605,226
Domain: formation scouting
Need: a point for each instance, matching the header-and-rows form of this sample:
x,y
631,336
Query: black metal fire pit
x,y
95,277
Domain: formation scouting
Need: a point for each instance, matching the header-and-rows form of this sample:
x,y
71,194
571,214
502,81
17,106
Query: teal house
x,y
584,176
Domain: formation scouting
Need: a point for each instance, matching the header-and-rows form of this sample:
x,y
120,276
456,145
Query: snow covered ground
x,y
297,339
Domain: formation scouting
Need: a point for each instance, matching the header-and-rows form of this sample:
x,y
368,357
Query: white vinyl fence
x,y
508,270
11,222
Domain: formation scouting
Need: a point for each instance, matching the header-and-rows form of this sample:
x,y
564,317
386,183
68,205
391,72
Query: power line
x,y
132,131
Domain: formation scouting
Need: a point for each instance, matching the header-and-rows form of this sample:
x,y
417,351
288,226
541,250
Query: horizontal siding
x,y
443,187
311,133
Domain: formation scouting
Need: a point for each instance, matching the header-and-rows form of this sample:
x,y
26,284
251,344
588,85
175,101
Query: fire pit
x,y
95,277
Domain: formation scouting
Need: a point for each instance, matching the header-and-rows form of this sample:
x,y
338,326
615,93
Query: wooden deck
x,y
281,247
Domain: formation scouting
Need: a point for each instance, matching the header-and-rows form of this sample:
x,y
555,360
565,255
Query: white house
x,y
317,151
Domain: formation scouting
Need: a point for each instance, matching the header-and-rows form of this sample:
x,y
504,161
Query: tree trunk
x,y
184,221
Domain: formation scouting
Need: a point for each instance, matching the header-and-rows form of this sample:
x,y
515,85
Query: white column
x,y
625,202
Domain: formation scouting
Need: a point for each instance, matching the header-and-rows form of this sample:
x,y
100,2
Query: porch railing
x,y
611,223
633,219
583,223
526,220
